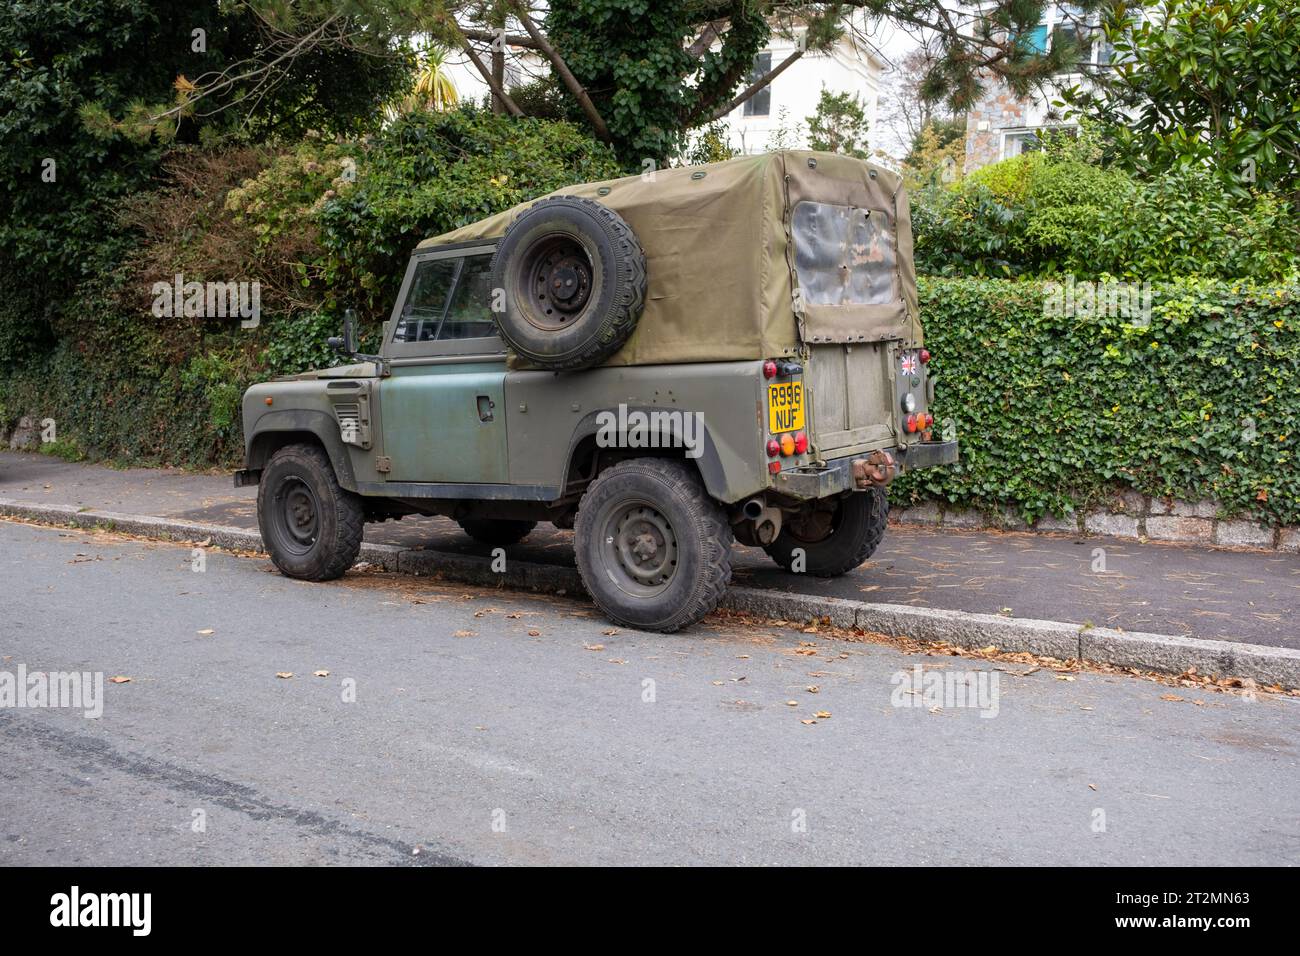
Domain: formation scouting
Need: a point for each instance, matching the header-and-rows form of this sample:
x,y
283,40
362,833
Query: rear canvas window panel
x,y
844,255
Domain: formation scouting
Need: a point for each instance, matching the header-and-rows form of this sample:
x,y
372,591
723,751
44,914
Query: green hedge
x,y
1057,411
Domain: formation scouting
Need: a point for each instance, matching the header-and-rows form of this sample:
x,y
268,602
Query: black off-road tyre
x,y
856,528
498,532
574,279
653,549
311,527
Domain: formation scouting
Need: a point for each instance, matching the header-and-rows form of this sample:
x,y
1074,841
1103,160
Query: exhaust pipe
x,y
766,521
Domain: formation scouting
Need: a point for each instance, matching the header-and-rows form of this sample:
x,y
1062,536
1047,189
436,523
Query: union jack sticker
x,y
909,364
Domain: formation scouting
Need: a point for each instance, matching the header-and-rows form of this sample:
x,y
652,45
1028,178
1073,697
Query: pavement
x,y
457,725
1216,594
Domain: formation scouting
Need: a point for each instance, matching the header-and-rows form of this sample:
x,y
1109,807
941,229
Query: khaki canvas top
x,y
758,256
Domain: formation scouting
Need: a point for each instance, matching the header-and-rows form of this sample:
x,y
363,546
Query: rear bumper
x,y
836,476
926,454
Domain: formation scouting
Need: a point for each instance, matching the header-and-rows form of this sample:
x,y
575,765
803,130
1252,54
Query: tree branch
x,y
756,86
565,74
511,106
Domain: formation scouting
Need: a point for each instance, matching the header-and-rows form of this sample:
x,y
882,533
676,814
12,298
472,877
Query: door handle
x,y
485,407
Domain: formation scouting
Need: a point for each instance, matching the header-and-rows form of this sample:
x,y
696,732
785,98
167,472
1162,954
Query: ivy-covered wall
x,y
1056,406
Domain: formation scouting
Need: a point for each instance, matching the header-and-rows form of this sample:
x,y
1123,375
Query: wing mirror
x,y
347,342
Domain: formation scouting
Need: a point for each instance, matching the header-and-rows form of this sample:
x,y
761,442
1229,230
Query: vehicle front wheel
x,y
498,532
653,549
311,526
835,536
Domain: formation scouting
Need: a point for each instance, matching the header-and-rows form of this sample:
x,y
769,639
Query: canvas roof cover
x,y
728,244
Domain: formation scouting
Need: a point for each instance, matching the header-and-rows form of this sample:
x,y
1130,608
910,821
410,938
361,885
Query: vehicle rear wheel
x,y
834,539
574,280
498,532
653,549
311,527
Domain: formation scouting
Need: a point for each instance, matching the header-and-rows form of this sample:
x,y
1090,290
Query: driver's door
x,y
442,409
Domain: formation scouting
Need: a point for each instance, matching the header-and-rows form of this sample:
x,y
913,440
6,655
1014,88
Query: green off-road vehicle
x,y
665,363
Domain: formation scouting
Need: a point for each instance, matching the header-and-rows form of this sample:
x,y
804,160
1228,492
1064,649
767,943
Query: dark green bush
x,y
1055,411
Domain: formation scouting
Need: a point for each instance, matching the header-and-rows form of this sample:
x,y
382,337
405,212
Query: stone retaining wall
x,y
1130,516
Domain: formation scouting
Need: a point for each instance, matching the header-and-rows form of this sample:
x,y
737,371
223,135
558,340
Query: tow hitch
x,y
876,470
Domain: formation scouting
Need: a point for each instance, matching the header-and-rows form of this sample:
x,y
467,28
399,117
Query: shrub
x,y
429,173
1058,212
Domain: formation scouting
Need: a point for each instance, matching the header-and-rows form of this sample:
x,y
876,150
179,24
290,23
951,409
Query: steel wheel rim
x,y
559,278
297,510
638,548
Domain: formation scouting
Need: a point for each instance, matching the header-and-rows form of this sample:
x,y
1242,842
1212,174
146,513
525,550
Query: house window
x,y
1035,40
760,104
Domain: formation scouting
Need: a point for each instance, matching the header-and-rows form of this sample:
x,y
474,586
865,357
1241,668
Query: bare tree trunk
x,y
498,74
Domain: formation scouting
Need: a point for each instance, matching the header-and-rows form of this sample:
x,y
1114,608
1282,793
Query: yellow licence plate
x,y
785,407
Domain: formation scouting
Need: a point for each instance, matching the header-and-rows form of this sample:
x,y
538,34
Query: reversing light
x,y
773,448
909,402
769,369
787,444
800,442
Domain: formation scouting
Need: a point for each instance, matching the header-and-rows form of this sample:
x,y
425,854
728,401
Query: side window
x,y
426,302
470,314
449,299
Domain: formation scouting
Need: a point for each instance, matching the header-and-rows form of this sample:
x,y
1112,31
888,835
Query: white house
x,y
853,66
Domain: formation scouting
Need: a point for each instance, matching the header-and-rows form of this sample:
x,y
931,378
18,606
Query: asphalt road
x,y
1167,589
493,727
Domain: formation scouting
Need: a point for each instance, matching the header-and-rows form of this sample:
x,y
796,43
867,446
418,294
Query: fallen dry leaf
x,y
611,632
792,703
594,647
320,673
284,675
463,634
119,680
206,631
806,721
823,714
813,689
534,633
1173,697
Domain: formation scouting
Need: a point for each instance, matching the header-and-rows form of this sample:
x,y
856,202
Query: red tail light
x,y
769,369
773,448
800,442
911,424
